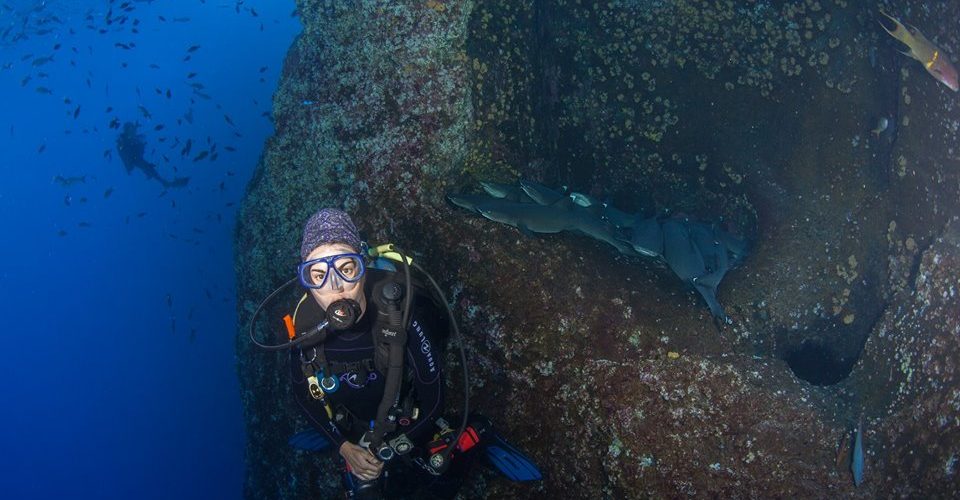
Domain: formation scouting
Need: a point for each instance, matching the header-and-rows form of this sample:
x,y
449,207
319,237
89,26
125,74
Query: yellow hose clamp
x,y
387,251
314,385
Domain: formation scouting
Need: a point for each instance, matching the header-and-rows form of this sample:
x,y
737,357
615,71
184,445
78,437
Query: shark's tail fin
x,y
707,286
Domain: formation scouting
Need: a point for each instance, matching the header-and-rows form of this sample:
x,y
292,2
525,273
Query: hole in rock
x,y
818,364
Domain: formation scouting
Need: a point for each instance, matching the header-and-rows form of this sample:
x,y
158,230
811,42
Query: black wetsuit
x,y
350,355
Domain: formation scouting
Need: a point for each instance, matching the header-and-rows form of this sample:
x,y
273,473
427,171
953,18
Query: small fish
x,y
202,155
84,224
933,59
856,465
193,48
108,192
169,301
40,61
44,90
70,181
843,450
882,125
61,233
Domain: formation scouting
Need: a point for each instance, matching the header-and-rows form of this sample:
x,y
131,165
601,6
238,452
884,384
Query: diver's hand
x,y
362,463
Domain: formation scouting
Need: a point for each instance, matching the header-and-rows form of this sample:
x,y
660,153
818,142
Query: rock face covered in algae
x,y
605,368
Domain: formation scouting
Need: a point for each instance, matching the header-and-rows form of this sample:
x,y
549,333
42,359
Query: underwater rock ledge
x,y
385,107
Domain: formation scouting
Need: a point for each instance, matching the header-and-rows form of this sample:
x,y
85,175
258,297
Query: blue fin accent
x,y
309,440
856,465
383,263
510,461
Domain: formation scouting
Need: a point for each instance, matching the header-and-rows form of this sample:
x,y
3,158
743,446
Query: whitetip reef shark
x,y
699,254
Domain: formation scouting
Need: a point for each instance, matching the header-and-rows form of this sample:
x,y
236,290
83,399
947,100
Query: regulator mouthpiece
x,y
343,314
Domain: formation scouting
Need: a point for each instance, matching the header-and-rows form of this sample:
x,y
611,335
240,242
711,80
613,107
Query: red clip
x,y
468,439
437,445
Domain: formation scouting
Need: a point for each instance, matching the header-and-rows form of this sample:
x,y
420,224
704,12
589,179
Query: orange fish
x,y
923,50
843,451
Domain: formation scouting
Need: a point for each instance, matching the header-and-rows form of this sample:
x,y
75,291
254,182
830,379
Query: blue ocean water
x,y
119,314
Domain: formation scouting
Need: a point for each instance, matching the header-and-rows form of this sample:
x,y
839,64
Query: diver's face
x,y
335,288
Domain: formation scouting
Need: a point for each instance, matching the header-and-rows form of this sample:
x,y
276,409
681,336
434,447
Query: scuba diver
x,y
131,147
366,371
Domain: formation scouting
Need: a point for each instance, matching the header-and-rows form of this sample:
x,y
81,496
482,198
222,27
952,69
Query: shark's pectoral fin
x,y
524,229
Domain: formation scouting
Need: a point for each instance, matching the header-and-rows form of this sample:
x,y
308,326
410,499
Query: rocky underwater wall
x,y
608,370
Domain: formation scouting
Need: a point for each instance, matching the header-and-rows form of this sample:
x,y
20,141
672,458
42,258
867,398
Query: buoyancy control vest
x,y
398,401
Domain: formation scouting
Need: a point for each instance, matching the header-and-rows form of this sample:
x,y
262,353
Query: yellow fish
x,y
923,50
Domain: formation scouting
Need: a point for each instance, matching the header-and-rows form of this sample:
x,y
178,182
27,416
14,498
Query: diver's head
x,y
332,267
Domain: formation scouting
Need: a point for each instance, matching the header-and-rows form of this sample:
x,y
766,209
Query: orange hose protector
x,y
291,332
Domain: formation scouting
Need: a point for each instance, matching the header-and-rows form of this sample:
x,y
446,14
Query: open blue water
x,y
119,314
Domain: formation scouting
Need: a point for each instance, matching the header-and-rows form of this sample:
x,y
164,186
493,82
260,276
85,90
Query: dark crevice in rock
x,y
917,259
818,363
